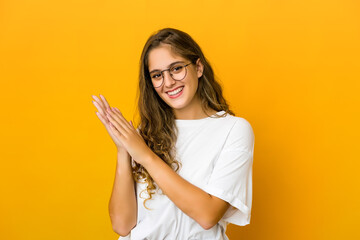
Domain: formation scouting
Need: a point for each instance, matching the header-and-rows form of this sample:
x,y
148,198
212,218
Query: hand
x,y
128,136
125,133
101,104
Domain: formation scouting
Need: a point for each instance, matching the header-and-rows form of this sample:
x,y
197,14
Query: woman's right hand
x,y
101,104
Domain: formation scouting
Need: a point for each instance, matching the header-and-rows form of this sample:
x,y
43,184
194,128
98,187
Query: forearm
x,y
122,204
192,200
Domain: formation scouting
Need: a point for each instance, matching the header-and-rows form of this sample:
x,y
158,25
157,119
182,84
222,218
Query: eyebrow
x,y
168,66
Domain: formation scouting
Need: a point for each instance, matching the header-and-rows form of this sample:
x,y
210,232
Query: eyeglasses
x,y
177,72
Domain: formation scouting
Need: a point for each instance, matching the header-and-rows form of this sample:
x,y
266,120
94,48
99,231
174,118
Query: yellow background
x,y
291,68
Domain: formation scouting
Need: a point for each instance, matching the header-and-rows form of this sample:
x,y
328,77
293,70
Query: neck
x,y
193,111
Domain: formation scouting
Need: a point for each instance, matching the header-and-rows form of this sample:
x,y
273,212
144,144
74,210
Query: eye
x,y
156,76
176,68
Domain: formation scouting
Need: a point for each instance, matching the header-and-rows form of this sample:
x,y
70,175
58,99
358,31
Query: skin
x,y
122,203
204,208
186,106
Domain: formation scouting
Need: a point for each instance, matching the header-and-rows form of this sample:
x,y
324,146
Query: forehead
x,y
162,56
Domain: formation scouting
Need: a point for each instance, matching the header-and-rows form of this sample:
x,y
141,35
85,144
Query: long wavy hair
x,y
157,120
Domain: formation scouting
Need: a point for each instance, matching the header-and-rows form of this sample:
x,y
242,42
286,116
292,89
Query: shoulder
x,y
243,125
241,134
239,125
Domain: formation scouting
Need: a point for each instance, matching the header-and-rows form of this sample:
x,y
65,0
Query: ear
x,y
199,68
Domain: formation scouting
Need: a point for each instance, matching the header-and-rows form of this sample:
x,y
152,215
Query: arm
x,y
122,204
207,210
204,208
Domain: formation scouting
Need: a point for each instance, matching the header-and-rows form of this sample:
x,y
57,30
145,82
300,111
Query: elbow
x,y
122,227
207,226
122,230
208,223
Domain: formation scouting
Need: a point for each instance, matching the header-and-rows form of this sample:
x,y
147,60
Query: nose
x,y
168,80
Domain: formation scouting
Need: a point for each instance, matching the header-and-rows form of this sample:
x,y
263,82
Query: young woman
x,y
186,171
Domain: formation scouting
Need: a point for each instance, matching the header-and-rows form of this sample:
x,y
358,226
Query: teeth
x,y
175,91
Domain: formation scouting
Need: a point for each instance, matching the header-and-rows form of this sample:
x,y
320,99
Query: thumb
x,y
131,123
134,127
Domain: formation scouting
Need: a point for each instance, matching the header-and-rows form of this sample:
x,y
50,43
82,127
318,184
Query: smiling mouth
x,y
176,91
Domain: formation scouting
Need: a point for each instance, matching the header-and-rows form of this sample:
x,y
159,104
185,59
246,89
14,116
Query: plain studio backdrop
x,y
291,68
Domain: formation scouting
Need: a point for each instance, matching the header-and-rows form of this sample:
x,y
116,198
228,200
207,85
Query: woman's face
x,y
161,58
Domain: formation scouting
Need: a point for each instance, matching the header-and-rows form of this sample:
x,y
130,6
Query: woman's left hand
x,y
129,137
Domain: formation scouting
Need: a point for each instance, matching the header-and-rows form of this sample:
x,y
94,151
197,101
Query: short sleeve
x,y
231,178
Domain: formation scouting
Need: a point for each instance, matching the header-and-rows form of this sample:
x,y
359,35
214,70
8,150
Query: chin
x,y
176,106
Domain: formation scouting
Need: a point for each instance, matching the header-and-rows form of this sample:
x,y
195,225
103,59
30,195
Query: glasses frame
x,y
168,69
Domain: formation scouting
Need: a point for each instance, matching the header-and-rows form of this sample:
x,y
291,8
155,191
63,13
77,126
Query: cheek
x,y
194,82
158,90
160,93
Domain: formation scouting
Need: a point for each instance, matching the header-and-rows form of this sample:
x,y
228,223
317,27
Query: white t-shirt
x,y
216,155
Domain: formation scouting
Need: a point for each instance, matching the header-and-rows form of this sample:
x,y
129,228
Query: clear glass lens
x,y
156,78
177,72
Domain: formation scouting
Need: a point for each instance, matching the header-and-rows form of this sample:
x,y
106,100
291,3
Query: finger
x,y
103,119
99,101
115,131
117,109
104,101
118,126
132,125
99,108
130,122
118,115
136,129
106,123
